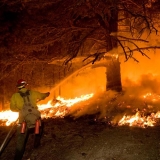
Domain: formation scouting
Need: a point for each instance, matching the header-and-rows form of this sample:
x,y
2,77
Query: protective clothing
x,y
16,105
17,101
22,140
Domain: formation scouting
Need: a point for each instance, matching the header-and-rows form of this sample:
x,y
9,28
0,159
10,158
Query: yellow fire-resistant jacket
x,y
17,101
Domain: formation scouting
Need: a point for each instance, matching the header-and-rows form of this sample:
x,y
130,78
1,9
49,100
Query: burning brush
x,y
108,107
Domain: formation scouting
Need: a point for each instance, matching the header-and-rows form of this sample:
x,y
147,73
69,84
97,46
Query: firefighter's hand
x,y
48,93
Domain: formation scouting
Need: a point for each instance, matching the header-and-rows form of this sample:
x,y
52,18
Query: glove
x,y
48,93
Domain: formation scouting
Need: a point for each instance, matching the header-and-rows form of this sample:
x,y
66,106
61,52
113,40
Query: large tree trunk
x,y
113,67
113,75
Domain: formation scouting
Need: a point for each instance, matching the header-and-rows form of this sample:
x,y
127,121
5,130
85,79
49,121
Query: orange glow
x,y
61,107
152,97
139,120
8,117
48,110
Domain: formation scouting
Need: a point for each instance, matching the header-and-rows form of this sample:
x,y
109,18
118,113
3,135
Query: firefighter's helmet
x,y
21,83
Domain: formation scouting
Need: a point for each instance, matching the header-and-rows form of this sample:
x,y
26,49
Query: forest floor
x,y
85,139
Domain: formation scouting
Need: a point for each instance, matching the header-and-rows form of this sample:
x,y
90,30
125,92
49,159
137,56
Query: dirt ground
x,y
86,139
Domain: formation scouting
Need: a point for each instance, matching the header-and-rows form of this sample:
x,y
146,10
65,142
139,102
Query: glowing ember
x,y
59,109
139,119
152,97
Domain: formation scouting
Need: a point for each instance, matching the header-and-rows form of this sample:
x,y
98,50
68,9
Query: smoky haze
x,y
138,80
140,84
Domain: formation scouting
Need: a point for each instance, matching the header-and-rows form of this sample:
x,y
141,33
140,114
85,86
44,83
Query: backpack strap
x,y
24,96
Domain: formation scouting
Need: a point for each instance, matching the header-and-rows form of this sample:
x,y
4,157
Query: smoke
x,y
85,82
140,83
99,105
138,80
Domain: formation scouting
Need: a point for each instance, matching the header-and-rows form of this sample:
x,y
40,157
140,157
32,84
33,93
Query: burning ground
x,y
103,133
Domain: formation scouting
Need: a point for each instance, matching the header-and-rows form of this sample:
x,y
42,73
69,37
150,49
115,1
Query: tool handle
x,y
5,140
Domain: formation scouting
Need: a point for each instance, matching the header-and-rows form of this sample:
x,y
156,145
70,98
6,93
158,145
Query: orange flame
x,y
58,109
8,117
139,120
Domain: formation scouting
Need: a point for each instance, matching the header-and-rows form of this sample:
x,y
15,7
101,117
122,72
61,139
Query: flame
x,y
8,117
59,109
139,120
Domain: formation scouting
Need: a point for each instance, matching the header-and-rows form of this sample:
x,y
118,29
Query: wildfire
x,y
57,108
8,117
152,97
60,107
139,120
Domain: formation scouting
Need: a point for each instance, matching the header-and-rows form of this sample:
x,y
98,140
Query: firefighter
x,y
16,105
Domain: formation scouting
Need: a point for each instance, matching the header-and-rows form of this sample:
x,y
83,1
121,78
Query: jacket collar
x,y
23,90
